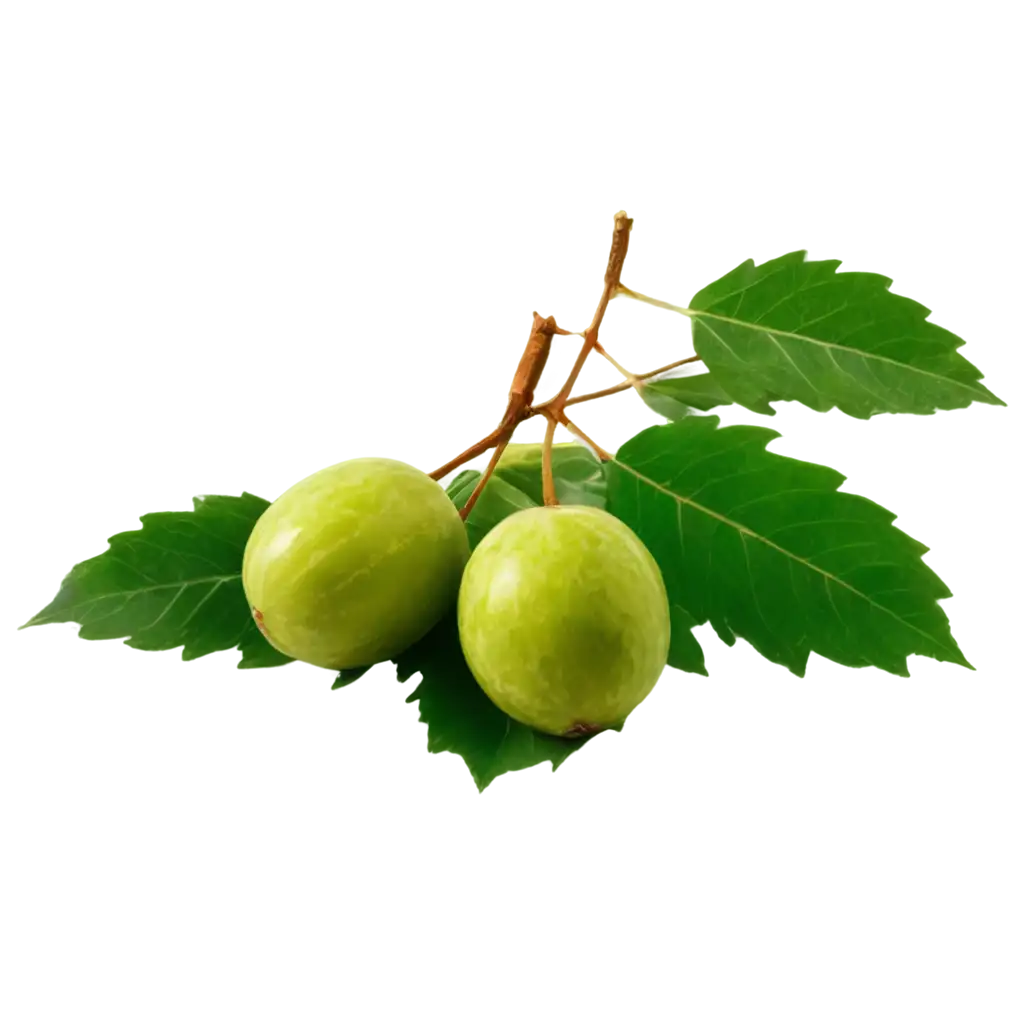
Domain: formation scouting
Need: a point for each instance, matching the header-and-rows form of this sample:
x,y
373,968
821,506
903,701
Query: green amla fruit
x,y
354,563
564,619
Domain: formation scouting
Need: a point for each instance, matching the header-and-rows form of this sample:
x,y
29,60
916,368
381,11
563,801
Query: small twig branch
x,y
535,356
520,395
484,477
604,455
483,445
630,294
640,378
547,474
617,256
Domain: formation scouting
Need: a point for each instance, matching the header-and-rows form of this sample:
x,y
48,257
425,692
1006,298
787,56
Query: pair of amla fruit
x,y
562,611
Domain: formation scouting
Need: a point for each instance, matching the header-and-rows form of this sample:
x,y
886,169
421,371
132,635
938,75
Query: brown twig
x,y
612,274
520,400
484,477
520,395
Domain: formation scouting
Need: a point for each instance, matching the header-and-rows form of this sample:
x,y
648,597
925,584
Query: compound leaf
x,y
177,582
794,329
767,548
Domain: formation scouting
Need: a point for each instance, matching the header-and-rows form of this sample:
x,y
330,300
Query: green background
x,y
233,244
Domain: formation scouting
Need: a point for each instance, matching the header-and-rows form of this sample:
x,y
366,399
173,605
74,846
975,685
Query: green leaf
x,y
497,501
766,548
461,718
350,675
698,649
684,650
177,582
796,330
579,476
689,392
516,484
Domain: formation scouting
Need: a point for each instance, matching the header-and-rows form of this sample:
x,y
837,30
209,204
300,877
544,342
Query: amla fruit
x,y
563,619
354,563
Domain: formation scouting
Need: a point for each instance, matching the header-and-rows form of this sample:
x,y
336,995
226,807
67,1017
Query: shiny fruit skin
x,y
354,563
563,619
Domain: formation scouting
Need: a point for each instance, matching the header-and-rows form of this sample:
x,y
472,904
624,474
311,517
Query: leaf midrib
x,y
974,387
179,584
745,530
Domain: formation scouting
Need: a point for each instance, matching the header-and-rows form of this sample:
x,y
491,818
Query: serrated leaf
x,y
737,658
796,330
767,548
177,582
684,650
461,718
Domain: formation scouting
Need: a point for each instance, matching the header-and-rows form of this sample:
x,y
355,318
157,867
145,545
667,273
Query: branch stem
x,y
531,365
484,477
612,274
520,396
547,473
603,454
630,294
626,385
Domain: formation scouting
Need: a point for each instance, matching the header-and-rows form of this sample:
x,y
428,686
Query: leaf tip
x,y
28,624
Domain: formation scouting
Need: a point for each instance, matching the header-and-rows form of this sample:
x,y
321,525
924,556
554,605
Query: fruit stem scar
x,y
581,729
260,624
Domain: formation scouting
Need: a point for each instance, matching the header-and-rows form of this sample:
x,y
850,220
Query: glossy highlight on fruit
x,y
354,563
563,619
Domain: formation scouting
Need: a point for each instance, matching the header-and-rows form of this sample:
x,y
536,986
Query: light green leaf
x,y
579,475
177,582
516,484
767,548
677,397
497,501
796,330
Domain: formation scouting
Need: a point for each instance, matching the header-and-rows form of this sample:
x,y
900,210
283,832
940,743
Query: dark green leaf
x,y
765,547
796,330
177,582
684,650
462,719
736,658
350,675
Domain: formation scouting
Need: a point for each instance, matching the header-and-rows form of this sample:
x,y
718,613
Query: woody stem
x,y
616,259
518,408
